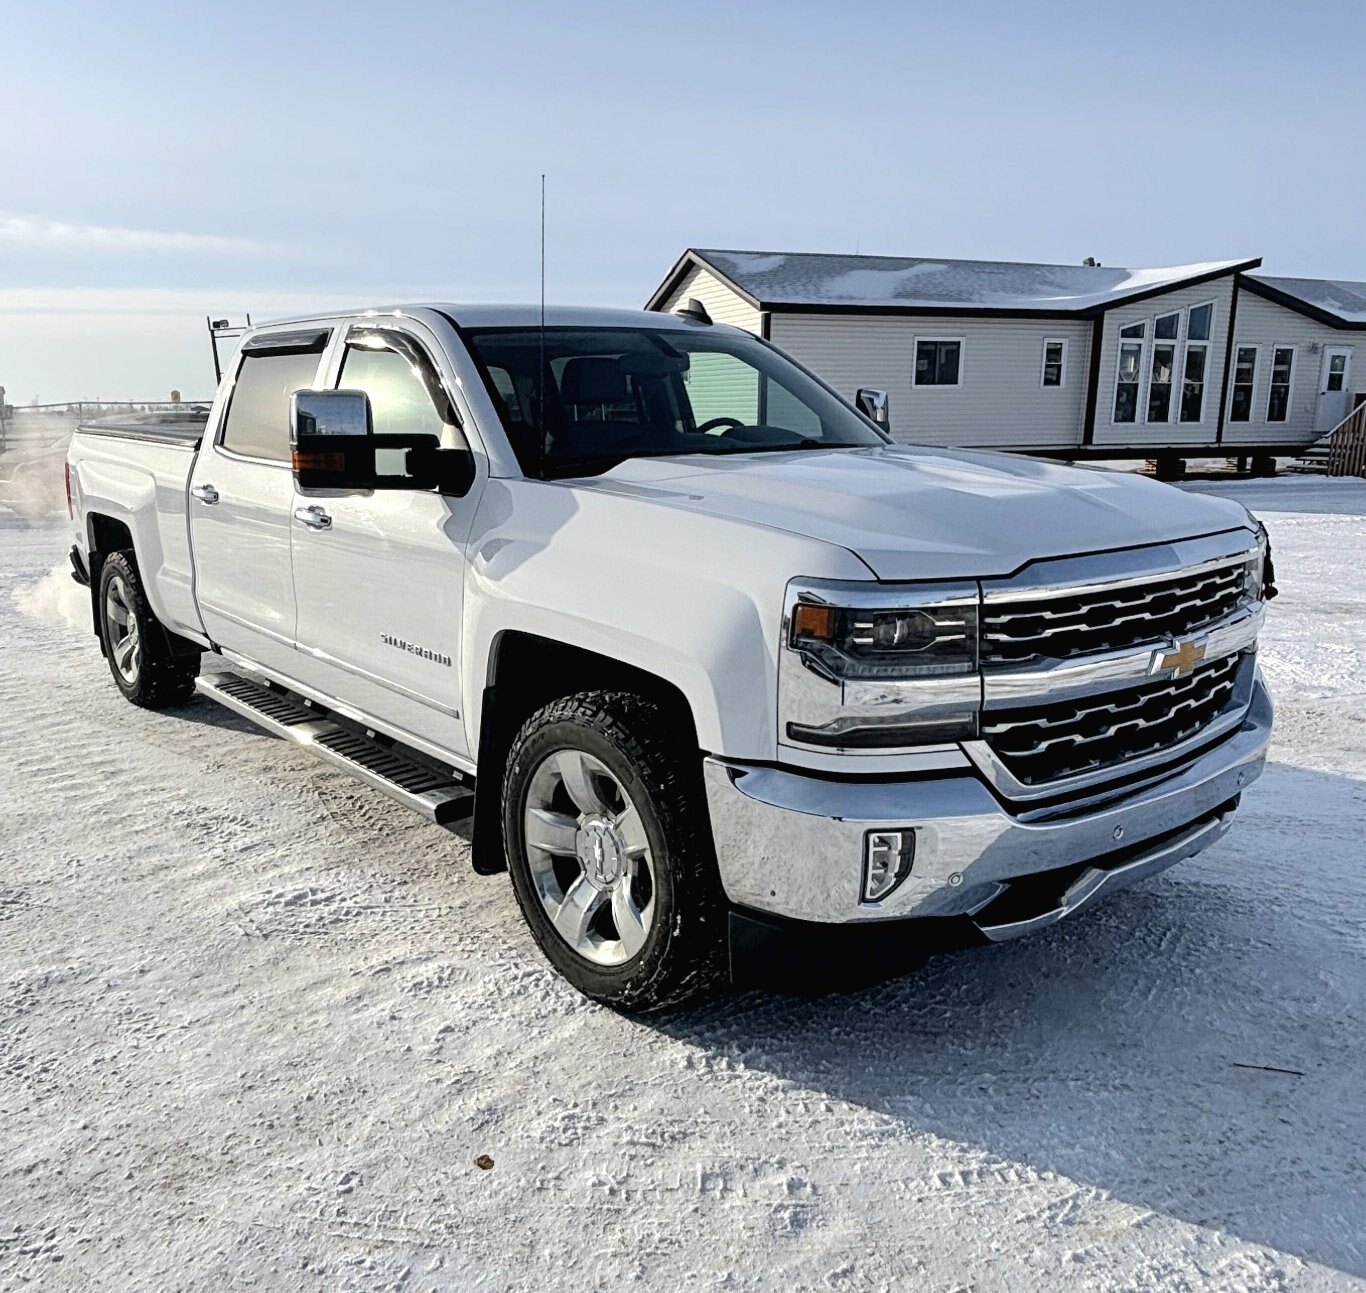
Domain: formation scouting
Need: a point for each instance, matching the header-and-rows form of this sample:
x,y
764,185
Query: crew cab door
x,y
379,576
241,492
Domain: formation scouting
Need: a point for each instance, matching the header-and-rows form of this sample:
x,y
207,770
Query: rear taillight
x,y
66,471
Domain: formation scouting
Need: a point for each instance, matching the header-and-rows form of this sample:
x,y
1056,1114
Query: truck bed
x,y
182,428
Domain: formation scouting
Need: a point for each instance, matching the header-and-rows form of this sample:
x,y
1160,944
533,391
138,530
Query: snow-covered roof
x,y
805,280
1334,301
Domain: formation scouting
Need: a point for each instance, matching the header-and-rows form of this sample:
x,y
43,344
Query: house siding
x,y
721,302
1000,403
1164,434
1266,325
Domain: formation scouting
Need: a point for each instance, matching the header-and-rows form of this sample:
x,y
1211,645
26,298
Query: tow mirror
x,y
873,404
334,446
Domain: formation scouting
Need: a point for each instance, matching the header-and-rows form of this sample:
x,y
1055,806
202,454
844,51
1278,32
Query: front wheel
x,y
145,669
609,852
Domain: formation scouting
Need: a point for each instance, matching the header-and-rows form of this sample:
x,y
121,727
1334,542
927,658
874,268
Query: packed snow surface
x,y
257,1024
813,279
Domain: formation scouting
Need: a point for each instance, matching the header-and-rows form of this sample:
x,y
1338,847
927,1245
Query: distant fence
x,y
1347,452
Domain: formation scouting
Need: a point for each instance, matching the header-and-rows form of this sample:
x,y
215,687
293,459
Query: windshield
x,y
618,393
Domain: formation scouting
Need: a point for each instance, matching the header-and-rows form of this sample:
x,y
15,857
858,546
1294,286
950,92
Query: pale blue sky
x,y
160,161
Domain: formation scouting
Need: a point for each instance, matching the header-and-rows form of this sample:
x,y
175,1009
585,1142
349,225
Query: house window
x,y
1054,363
1244,384
1282,370
1193,387
1160,380
1168,326
1130,365
1337,371
1198,325
938,362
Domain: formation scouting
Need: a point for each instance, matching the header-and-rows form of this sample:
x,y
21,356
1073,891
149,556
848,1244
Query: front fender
x,y
694,600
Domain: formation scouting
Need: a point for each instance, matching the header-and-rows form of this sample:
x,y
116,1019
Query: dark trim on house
x,y
1228,363
1299,306
1088,429
691,260
1149,292
766,325
1101,452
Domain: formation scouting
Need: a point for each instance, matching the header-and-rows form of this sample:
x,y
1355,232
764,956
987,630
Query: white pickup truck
x,y
711,663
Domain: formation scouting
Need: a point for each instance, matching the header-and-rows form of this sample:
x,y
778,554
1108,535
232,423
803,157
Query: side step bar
x,y
438,797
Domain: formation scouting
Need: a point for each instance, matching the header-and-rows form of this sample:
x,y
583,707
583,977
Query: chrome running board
x,y
437,794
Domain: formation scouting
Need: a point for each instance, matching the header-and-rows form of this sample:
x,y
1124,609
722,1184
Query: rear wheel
x,y
145,669
609,853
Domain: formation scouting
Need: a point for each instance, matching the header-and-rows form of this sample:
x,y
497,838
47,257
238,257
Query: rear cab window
x,y
272,368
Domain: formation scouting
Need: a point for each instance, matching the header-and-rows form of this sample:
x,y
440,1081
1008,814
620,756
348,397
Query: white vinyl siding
x,y
1139,432
999,402
721,302
1269,327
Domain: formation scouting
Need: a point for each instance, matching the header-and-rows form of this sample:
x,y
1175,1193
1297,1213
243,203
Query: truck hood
x,y
922,513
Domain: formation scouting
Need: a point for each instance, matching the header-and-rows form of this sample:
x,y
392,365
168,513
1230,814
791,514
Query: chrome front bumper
x,y
791,844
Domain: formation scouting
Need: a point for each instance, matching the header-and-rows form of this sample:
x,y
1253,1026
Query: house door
x,y
1334,388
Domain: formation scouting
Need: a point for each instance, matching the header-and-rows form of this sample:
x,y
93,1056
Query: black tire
x,y
683,955
157,677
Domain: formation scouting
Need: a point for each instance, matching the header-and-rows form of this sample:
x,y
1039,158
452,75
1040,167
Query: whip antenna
x,y
540,378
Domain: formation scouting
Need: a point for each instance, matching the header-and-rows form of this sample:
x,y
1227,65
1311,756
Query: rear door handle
x,y
313,517
204,493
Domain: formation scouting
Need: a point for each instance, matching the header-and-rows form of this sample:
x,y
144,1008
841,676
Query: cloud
x,y
30,231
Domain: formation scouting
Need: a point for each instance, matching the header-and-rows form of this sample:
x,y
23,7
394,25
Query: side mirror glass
x,y
873,404
334,446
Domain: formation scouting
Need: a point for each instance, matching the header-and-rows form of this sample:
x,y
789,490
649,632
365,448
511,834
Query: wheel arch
x,y
527,671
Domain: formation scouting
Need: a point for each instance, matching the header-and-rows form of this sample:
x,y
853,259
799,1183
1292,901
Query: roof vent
x,y
693,309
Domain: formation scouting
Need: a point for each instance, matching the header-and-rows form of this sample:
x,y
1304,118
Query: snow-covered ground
x,y
257,1023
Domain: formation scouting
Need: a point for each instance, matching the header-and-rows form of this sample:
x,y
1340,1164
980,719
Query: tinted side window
x,y
258,414
399,401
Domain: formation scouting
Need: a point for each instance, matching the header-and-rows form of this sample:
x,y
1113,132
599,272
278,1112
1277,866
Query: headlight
x,y
910,642
874,668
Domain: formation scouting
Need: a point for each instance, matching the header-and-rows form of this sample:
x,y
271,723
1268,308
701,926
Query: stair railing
x,y
1347,445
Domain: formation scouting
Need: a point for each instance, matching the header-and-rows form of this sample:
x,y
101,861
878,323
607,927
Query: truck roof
x,y
509,316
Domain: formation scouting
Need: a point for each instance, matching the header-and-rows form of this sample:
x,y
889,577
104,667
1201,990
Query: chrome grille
x,y
1043,743
1067,626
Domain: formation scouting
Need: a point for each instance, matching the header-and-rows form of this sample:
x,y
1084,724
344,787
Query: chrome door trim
x,y
317,653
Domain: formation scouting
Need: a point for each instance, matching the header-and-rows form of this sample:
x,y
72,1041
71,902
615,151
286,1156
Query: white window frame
x,y
1328,353
1043,364
1120,342
1207,345
1289,382
918,385
1233,381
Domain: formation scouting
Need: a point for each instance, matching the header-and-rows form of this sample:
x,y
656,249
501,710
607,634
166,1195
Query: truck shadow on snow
x,y
1131,1049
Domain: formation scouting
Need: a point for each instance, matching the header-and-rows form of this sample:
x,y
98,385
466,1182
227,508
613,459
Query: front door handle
x,y
204,493
313,517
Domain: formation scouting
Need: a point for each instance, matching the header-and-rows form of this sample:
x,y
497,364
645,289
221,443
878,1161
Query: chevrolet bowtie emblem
x,y
1183,659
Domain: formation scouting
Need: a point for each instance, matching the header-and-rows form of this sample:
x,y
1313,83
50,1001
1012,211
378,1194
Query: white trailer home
x,y
1066,360
1299,360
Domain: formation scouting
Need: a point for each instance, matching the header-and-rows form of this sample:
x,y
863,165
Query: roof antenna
x,y
540,371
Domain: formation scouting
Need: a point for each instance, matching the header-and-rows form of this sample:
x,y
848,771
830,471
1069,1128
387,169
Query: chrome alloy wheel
x,y
125,638
589,857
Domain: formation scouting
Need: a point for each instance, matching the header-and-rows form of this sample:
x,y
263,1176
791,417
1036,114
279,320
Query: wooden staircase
x,y
1342,452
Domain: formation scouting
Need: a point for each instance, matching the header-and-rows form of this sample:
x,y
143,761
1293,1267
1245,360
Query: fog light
x,y
887,858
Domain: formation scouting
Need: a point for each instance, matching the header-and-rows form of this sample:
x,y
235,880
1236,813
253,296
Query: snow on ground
x,y
256,1024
